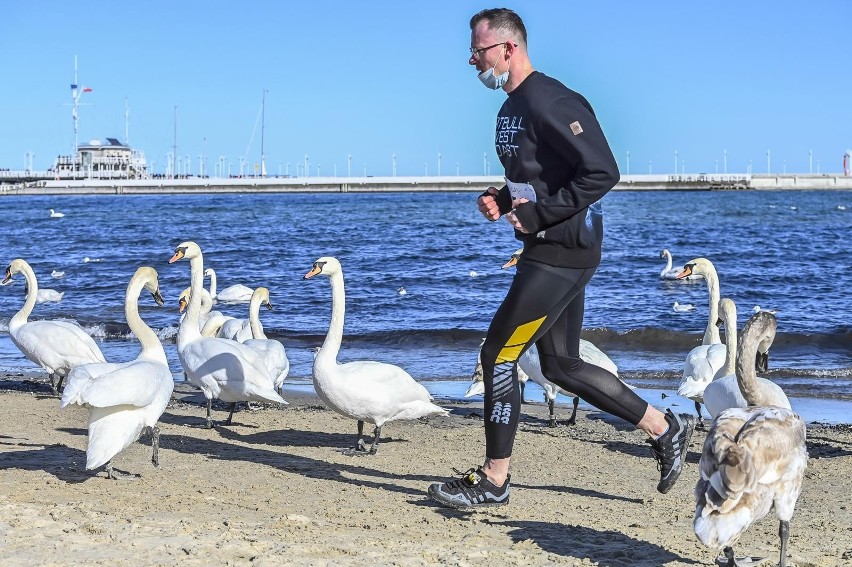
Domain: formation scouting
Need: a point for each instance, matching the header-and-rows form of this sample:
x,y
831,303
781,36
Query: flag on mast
x,y
87,89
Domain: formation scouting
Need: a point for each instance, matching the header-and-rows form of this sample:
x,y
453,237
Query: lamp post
x,y
393,167
439,164
457,169
675,169
768,162
484,164
725,164
349,166
810,161
649,167
628,162
307,171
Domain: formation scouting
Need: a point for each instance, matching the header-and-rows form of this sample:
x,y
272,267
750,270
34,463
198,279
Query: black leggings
x,y
544,306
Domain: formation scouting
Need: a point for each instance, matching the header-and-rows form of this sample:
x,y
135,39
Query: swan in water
x,y
237,293
729,390
273,353
671,273
367,390
222,368
754,458
47,295
56,346
682,308
704,361
124,399
56,214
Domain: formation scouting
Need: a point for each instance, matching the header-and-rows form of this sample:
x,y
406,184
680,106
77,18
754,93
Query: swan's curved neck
x,y
668,263
730,347
152,348
190,327
212,283
711,334
206,302
254,319
21,316
746,373
331,345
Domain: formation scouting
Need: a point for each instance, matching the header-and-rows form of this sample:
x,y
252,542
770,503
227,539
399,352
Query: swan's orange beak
x,y
687,271
181,304
512,261
314,271
179,254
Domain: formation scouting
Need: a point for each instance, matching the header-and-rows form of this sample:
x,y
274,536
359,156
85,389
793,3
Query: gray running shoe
x,y
472,490
670,448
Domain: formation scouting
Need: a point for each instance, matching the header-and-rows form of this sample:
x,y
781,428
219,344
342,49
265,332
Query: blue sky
x,y
377,78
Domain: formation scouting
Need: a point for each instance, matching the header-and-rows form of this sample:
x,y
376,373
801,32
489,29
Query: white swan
x,y
273,353
56,346
694,385
124,398
753,459
49,295
206,313
730,390
369,391
237,293
703,362
671,273
529,368
56,214
223,369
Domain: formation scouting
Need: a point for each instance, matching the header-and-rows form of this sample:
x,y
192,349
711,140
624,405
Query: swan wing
x,y
274,357
593,355
57,345
236,293
136,383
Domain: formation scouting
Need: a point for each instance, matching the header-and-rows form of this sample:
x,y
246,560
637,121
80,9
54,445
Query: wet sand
x,y
273,489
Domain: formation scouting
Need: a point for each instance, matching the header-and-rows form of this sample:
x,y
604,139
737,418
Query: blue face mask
x,y
492,81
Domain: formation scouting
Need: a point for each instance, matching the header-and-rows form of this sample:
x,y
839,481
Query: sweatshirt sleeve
x,y
571,129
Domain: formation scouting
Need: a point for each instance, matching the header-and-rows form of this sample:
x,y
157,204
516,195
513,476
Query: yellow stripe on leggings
x,y
522,335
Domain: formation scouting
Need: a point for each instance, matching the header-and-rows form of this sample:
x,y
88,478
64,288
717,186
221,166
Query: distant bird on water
x,y
56,214
682,308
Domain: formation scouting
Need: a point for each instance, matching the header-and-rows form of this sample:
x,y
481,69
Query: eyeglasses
x,y
475,54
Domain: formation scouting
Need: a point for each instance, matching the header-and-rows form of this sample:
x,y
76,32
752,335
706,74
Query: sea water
x,y
785,251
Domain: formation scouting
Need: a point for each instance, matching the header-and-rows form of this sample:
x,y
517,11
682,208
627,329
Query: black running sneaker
x,y
472,490
669,449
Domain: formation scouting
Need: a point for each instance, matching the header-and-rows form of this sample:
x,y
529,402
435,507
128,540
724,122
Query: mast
x,y
126,122
262,125
75,95
174,149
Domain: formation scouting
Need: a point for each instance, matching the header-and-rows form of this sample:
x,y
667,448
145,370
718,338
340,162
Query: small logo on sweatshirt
x,y
576,128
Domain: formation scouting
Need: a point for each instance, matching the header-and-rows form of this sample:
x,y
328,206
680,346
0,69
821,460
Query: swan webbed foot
x,y
573,419
728,559
115,474
361,449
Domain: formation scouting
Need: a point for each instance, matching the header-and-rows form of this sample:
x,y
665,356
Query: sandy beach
x,y
272,489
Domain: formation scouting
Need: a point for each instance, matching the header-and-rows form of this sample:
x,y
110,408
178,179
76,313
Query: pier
x,y
33,183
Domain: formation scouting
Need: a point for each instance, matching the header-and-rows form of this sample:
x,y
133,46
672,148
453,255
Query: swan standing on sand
x,y
369,391
56,214
125,398
703,362
729,390
273,353
670,273
237,293
56,346
222,368
753,459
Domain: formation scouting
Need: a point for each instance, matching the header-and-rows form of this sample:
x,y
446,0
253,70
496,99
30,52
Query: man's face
x,y
481,37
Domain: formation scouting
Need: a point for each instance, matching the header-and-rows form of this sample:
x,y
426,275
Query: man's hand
x,y
488,204
513,219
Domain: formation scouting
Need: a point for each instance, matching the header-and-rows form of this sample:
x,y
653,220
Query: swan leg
x,y
52,378
231,415
155,445
699,423
377,434
360,447
59,385
730,561
573,419
550,406
784,534
209,408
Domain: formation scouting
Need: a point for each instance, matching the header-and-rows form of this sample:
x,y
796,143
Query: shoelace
x,y
662,456
464,480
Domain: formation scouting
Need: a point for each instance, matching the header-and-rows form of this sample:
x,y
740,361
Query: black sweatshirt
x,y
549,138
